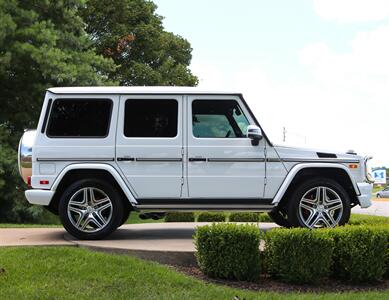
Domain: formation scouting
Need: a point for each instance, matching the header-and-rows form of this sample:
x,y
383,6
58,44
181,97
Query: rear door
x,y
149,145
222,162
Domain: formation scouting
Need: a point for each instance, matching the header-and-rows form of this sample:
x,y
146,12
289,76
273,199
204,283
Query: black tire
x,y
378,195
279,217
115,210
125,215
333,190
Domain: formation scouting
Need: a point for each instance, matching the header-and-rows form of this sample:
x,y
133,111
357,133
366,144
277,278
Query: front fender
x,y
297,168
95,166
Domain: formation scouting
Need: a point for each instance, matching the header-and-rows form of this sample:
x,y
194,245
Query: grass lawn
x,y
74,273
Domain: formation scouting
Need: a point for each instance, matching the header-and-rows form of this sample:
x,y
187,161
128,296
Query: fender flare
x,y
297,168
115,174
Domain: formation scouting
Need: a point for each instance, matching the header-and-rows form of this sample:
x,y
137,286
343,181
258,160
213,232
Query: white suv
x,y
100,152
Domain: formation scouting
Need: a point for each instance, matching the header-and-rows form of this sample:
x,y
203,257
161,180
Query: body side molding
x,y
97,166
297,168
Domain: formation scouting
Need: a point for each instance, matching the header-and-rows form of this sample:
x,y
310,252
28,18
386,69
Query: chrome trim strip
x,y
236,159
158,159
74,159
310,160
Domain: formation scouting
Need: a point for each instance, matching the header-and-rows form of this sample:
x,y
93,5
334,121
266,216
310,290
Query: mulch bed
x,y
267,284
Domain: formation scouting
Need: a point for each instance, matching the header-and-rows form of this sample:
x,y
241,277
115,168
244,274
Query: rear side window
x,y
152,118
80,118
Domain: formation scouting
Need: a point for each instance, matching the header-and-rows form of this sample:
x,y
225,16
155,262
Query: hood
x,y
311,153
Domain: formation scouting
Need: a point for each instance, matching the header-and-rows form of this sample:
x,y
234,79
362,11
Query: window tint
x,y
218,119
150,118
80,118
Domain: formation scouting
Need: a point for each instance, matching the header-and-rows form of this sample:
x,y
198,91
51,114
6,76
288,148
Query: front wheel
x,y
318,203
90,209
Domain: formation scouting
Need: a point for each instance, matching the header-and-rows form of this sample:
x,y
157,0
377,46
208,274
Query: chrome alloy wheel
x,y
320,207
89,209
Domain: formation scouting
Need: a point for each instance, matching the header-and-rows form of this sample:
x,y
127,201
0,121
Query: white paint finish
x,y
365,197
275,173
76,148
39,197
97,166
224,179
298,167
47,168
151,179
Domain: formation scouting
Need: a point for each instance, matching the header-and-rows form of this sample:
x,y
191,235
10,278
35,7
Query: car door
x,y
222,162
149,145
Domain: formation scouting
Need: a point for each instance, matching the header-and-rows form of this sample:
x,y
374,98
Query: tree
x,y
131,33
42,44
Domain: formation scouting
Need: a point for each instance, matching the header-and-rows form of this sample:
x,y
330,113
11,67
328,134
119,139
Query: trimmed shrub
x,y
359,253
229,251
265,218
180,217
298,255
211,217
244,217
357,219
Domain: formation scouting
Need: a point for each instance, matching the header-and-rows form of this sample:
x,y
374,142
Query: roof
x,y
135,90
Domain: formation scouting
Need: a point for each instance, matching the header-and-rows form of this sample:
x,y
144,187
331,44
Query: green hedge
x,y
298,255
265,218
244,217
358,219
360,253
211,217
180,217
229,251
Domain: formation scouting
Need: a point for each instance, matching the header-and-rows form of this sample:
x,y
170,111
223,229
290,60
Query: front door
x,y
222,162
149,145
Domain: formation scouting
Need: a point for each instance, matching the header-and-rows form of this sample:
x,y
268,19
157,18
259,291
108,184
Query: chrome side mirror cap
x,y
254,133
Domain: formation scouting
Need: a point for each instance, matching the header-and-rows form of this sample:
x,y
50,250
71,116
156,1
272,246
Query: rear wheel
x,y
319,202
90,209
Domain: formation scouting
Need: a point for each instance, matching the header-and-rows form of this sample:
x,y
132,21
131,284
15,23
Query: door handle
x,y
192,159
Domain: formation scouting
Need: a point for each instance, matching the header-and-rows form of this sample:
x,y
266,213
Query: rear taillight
x,y
29,181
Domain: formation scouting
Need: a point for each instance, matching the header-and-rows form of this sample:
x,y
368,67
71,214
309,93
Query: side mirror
x,y
255,134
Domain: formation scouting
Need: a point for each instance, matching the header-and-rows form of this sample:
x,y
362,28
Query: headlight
x,y
369,177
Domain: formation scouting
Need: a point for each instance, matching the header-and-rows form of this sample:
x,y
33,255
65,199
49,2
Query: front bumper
x,y
365,197
40,197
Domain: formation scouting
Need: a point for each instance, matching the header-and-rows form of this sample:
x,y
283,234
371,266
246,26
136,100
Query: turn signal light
x,y
353,166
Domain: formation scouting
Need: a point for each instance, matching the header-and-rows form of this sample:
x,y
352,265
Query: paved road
x,y
380,207
170,243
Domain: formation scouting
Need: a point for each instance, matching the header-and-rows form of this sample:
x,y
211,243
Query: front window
x,y
218,119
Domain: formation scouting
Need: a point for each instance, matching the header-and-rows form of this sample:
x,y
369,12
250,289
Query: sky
x,y
319,68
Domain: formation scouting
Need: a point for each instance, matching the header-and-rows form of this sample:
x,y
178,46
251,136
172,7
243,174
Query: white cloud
x,y
341,103
349,11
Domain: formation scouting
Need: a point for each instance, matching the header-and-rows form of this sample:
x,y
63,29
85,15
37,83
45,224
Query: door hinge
x,y
182,180
182,152
265,181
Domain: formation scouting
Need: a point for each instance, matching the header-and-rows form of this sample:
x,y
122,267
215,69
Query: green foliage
x,y
228,251
180,217
359,253
132,35
211,217
244,217
298,255
357,219
265,218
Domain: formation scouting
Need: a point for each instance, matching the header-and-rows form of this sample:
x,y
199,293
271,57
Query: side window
x,y
218,119
153,118
80,118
